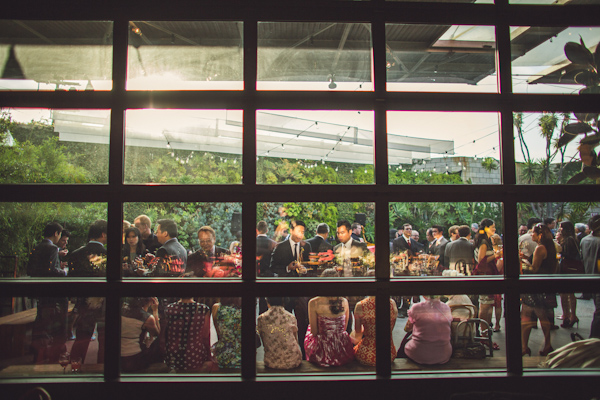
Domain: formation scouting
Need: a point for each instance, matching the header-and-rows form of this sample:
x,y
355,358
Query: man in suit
x,y
348,248
171,257
200,263
319,243
90,260
453,232
406,242
357,232
264,248
144,225
49,331
460,249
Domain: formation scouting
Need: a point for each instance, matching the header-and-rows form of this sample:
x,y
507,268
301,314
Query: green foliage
x,y
489,164
408,177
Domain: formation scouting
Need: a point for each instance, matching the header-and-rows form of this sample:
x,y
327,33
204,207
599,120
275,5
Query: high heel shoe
x,y
545,353
570,322
528,352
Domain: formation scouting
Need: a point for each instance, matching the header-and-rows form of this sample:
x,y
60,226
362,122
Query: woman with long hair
x,y
543,261
570,253
133,251
227,318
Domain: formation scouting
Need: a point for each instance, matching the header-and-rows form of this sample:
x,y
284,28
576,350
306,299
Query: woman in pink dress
x,y
430,322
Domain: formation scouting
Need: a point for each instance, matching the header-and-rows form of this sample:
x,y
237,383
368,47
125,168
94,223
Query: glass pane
x,y
554,148
185,55
563,322
183,146
54,146
181,335
540,63
314,147
446,239
50,240
201,240
56,55
441,58
314,56
340,239
450,332
451,148
563,232
319,335
52,336
553,2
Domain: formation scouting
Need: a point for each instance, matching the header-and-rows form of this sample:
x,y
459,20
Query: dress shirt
x,y
346,253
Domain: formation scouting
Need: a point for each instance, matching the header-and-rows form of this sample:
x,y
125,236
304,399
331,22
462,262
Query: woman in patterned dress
x,y
227,317
364,323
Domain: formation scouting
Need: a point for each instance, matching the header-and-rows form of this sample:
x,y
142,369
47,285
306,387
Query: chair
x,y
467,335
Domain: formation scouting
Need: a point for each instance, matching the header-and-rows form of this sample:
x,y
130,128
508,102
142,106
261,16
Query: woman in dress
x,y
543,262
486,257
364,324
188,336
133,252
326,342
227,318
278,330
570,252
430,322
139,329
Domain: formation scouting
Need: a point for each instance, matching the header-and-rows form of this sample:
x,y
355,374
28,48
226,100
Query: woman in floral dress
x,y
227,317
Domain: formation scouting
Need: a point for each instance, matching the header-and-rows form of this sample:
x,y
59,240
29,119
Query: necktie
x,y
408,242
296,251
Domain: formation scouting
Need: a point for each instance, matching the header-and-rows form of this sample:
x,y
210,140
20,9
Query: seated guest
x,y
429,322
144,224
188,336
139,329
200,263
227,318
278,330
171,257
133,252
327,343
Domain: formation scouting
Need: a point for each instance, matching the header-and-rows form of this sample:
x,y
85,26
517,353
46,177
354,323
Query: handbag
x,y
570,266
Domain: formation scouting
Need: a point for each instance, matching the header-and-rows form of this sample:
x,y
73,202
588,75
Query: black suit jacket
x,y
282,256
44,261
319,245
152,244
81,260
171,259
198,261
399,244
264,249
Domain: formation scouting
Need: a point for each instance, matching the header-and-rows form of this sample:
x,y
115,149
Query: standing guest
x,y
526,244
319,243
139,328
90,260
133,252
474,229
357,232
227,318
438,247
348,248
415,236
430,240
551,224
144,224
570,254
453,232
580,231
264,248
543,261
393,236
460,249
523,230
430,323
126,224
49,332
62,247
171,257
188,336
200,263
590,250
406,243
278,330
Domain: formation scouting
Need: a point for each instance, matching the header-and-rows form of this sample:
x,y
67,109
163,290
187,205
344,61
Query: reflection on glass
x,y
56,55
200,334
182,240
451,148
551,59
34,244
54,146
335,245
51,336
553,2
185,55
314,147
441,58
314,56
183,146
446,239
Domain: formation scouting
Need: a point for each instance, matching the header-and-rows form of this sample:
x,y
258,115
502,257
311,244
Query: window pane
x,y
450,332
185,55
54,146
451,148
441,58
199,334
50,240
445,239
282,251
56,55
449,1
52,336
540,161
314,147
540,63
343,341
183,146
201,240
552,2
314,56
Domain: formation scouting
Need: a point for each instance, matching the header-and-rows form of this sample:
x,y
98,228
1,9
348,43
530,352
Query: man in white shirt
x,y
348,248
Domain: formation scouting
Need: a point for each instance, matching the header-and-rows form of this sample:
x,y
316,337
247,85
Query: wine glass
x,y
75,364
64,359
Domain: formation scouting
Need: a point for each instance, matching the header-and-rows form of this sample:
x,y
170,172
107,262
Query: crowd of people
x,y
327,331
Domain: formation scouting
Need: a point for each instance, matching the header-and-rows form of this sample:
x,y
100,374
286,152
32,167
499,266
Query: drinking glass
x,y
75,364
64,359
